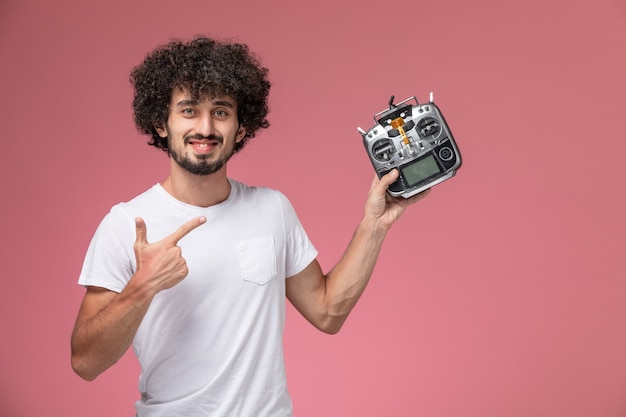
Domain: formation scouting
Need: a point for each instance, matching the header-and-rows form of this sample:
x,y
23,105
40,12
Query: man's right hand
x,y
107,321
161,264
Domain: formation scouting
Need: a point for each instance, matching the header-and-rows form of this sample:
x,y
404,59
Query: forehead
x,y
182,97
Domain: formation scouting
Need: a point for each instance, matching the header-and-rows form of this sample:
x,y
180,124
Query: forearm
x,y
346,282
327,300
103,334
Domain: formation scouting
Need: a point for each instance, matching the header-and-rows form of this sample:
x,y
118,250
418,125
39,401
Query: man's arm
x,y
326,300
105,327
107,321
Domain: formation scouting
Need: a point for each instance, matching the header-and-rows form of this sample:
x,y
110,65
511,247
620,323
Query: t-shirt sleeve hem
x,y
306,260
100,283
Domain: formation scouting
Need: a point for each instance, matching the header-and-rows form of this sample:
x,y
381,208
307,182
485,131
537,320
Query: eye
x,y
221,114
188,111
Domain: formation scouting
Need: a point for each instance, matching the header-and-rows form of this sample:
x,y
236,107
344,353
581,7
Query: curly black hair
x,y
201,66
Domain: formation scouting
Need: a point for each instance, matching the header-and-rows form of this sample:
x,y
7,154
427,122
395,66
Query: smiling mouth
x,y
204,145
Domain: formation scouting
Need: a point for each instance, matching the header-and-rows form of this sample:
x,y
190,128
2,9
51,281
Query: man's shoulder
x,y
156,191
147,198
255,191
262,200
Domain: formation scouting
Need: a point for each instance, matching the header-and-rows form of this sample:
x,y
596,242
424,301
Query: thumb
x,y
140,227
380,185
389,177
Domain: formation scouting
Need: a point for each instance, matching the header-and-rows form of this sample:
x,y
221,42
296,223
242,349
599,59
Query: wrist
x,y
138,292
373,227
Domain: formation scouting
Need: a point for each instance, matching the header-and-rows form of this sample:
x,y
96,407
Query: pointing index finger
x,y
183,230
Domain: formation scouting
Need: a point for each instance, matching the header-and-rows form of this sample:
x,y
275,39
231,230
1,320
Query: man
x,y
194,272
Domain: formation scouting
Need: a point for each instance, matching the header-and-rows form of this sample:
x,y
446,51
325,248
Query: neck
x,y
197,190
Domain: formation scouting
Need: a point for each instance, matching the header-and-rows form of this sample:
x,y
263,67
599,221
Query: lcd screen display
x,y
420,170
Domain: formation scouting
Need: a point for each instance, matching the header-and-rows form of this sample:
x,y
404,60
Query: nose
x,y
205,125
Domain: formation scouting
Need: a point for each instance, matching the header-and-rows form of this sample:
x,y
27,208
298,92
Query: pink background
x,y
502,294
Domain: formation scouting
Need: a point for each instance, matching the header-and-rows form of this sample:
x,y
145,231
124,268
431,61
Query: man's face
x,y
201,133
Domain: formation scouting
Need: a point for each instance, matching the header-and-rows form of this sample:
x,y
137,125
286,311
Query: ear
x,y
241,132
161,130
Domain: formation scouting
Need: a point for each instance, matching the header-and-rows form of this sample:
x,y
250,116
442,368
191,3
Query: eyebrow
x,y
193,102
187,102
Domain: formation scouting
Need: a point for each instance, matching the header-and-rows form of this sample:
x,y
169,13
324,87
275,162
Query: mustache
x,y
218,138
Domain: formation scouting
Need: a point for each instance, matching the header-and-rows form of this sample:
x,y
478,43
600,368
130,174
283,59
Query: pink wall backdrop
x,y
502,294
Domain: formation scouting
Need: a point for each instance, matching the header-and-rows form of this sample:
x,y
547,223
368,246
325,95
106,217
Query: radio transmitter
x,y
414,139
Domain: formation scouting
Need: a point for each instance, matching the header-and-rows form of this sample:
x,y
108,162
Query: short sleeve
x,y
300,250
110,258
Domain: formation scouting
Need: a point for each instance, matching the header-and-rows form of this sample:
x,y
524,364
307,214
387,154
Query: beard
x,y
202,166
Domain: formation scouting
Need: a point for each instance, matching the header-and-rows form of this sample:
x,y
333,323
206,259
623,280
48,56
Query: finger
x,y
389,177
183,230
140,227
385,181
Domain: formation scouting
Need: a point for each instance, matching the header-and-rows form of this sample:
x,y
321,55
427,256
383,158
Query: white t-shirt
x,y
211,345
